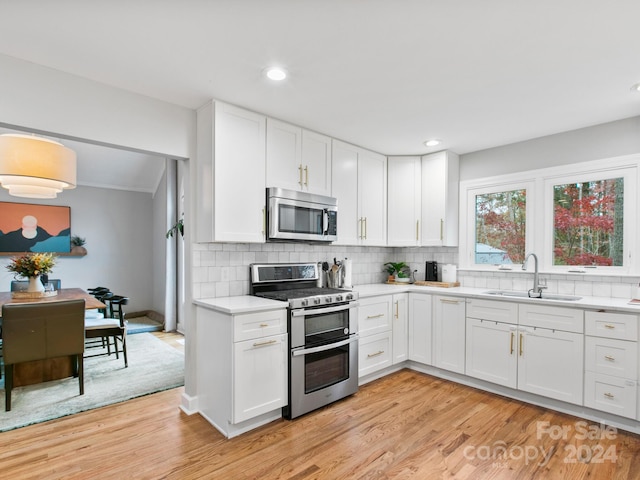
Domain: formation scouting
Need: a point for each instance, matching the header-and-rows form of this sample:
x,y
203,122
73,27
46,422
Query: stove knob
x,y
316,301
305,303
349,296
338,298
327,299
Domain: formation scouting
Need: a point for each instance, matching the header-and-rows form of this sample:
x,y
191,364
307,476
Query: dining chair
x,y
40,331
110,327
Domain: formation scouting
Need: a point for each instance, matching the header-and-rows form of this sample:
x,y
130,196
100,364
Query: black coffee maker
x,y
431,272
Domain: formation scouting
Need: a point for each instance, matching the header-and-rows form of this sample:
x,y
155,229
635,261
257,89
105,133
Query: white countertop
x,y
249,303
614,304
240,304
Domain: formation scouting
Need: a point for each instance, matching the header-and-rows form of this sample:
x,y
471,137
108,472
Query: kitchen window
x,y
576,218
497,220
500,226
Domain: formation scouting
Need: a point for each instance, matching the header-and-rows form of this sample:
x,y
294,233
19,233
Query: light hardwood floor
x,y
406,425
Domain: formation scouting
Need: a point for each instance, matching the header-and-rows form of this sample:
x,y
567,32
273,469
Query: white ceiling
x,y
383,74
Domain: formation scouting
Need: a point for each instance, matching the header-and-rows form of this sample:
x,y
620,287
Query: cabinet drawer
x,y
612,357
611,325
504,312
610,394
555,318
374,353
374,315
248,326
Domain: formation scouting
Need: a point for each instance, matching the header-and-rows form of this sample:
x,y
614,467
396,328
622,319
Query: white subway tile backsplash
x,y
221,269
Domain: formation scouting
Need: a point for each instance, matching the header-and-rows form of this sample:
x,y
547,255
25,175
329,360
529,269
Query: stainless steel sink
x,y
545,296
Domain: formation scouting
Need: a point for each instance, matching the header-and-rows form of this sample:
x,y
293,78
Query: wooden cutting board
x,y
438,284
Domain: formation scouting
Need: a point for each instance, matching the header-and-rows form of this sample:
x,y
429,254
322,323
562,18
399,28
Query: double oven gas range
x,y
323,334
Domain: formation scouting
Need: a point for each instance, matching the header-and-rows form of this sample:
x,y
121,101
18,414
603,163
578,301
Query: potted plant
x,y
178,227
398,272
77,245
31,266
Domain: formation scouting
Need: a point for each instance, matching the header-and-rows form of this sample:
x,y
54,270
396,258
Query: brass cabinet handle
x,y
365,228
608,325
610,358
609,395
306,175
441,229
360,227
417,230
375,316
397,310
446,300
379,352
264,324
264,222
300,175
263,344
521,344
511,344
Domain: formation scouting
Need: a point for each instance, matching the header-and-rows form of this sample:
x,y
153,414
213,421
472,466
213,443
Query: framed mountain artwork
x,y
25,227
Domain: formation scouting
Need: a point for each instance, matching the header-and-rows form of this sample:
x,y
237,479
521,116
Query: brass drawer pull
x,y
608,325
379,352
375,316
263,344
264,324
610,358
511,344
609,395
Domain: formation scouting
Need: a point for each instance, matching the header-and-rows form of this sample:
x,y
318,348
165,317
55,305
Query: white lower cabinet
x,y
491,352
551,363
374,353
375,327
400,329
420,328
259,379
449,333
611,363
538,360
242,367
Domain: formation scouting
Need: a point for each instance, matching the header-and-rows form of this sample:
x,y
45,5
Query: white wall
x,y
48,100
118,228
593,143
67,106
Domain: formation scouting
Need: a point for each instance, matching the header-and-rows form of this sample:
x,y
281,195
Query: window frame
x,y
629,174
468,228
539,224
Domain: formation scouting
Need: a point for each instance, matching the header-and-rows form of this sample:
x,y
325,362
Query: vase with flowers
x,y
31,266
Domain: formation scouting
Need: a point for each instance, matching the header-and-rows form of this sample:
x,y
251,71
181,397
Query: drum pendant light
x,y
35,167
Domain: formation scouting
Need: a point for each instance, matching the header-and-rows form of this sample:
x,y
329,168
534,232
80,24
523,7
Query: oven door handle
x,y
319,311
324,348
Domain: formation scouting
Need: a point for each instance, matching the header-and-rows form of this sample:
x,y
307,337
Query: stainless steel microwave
x,y
301,216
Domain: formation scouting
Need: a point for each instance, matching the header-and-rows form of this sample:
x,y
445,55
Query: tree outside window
x,y
588,223
500,227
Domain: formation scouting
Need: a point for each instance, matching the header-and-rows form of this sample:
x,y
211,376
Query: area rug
x,y
153,366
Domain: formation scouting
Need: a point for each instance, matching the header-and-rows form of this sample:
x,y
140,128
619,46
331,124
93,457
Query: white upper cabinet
x,y
359,182
298,159
316,161
231,174
404,202
440,175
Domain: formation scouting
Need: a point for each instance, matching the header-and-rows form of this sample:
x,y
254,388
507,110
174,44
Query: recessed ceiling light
x,y
636,87
275,73
432,143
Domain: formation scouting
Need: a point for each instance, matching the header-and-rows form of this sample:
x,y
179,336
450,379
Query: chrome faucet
x,y
537,288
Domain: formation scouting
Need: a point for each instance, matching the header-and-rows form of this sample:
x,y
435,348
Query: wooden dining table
x,y
38,371
63,294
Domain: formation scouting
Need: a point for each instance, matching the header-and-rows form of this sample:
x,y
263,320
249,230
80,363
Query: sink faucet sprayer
x,y
537,288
